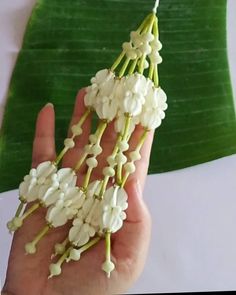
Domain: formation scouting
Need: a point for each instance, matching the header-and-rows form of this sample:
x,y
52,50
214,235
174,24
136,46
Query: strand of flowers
x,y
28,190
68,198
81,223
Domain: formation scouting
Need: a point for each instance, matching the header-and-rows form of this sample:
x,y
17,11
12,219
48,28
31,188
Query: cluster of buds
x,y
127,94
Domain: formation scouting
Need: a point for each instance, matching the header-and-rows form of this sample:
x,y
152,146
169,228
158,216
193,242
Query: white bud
x,y
145,49
131,54
93,138
138,52
69,143
96,150
108,171
55,269
147,37
156,44
76,130
135,155
155,57
126,46
123,146
111,161
87,148
59,248
108,267
30,248
92,162
74,255
129,167
17,222
121,158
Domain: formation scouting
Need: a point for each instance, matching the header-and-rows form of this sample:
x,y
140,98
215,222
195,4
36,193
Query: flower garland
x,y
129,94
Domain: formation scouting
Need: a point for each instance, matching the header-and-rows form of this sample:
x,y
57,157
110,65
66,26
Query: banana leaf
x,y
66,42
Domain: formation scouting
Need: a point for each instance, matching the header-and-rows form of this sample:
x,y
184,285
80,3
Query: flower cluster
x,y
112,97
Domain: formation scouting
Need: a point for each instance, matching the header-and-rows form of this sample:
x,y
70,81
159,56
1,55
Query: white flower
x,y
150,119
153,109
136,83
66,178
156,98
102,85
81,232
114,203
93,188
101,76
44,170
49,195
90,96
64,205
29,188
106,107
56,214
132,103
75,196
93,217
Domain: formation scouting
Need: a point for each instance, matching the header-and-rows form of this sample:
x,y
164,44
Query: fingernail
x,y
49,104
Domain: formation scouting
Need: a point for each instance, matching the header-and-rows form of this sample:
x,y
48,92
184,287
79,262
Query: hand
x,y
28,274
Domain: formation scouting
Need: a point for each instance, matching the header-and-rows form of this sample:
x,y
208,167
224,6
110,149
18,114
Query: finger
x,y
44,141
73,155
142,164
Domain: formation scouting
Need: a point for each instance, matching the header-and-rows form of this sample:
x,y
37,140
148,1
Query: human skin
x,y
28,274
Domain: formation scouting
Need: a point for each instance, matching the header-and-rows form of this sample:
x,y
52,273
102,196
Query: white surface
x,y
193,239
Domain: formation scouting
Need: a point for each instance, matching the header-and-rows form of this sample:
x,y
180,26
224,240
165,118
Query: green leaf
x,y
66,42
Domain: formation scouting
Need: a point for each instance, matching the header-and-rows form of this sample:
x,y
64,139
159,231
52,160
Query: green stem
x,y
30,211
124,67
60,156
151,71
156,77
108,246
87,178
89,244
144,23
155,29
19,209
133,66
41,234
64,256
118,61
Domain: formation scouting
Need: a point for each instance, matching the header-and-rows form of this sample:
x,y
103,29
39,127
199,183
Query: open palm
x,y
28,274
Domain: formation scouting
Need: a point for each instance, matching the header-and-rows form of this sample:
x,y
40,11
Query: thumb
x,y
137,210
131,242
